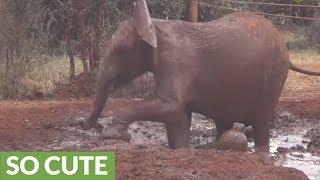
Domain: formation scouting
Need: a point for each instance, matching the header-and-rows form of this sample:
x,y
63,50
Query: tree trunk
x,y
84,42
72,70
91,61
194,11
97,35
7,58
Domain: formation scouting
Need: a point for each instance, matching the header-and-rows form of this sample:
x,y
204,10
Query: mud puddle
x,y
290,150
288,146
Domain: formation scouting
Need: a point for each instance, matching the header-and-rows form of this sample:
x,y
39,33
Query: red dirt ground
x,y
16,116
32,122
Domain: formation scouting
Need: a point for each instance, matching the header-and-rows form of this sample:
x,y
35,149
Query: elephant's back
x,y
240,38
242,54
240,34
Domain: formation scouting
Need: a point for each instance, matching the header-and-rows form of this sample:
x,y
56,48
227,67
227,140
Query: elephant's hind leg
x,y
261,132
262,116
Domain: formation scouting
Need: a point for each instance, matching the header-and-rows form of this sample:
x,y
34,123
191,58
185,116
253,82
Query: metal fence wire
x,y
202,3
271,4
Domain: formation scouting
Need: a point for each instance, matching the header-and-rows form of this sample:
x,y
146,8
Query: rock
x,y
48,125
233,140
282,150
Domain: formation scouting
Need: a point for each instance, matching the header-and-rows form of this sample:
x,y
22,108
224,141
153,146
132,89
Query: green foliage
x,y
207,13
168,9
164,9
298,1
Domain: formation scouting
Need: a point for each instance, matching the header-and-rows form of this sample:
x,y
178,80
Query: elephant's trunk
x,y
105,79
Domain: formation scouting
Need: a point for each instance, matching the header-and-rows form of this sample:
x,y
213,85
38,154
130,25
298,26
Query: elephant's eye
x,y
124,34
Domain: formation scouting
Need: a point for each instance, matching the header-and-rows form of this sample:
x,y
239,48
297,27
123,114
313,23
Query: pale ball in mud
x,y
233,140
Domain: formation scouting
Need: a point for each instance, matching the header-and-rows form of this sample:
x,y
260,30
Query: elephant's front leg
x,y
178,130
149,110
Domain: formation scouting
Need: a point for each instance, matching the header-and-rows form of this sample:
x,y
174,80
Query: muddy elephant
x,y
231,69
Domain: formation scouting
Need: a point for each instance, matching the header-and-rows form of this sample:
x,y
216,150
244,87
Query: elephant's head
x,y
129,54
130,50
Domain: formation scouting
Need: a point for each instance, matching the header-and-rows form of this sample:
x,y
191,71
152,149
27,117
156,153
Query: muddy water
x,y
287,146
295,157
289,150
303,161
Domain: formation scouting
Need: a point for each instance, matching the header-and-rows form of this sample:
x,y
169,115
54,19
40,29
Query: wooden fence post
x,y
194,11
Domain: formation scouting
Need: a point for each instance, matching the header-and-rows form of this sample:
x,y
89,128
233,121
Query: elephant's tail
x,y
303,71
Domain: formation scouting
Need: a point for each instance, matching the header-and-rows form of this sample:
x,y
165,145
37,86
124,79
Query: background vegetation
x,y
48,46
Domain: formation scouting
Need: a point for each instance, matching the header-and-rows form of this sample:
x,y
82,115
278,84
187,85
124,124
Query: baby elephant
x,y
231,69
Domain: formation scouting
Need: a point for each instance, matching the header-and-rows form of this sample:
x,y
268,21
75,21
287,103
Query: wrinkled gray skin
x,y
232,70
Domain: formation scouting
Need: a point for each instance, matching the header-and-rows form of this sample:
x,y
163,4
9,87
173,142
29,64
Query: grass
x,y
306,55
47,75
301,85
24,79
302,51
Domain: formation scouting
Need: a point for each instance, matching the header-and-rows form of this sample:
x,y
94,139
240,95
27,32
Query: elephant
x,y
231,69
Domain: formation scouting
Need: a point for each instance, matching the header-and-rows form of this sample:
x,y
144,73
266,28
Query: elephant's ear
x,y
143,23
